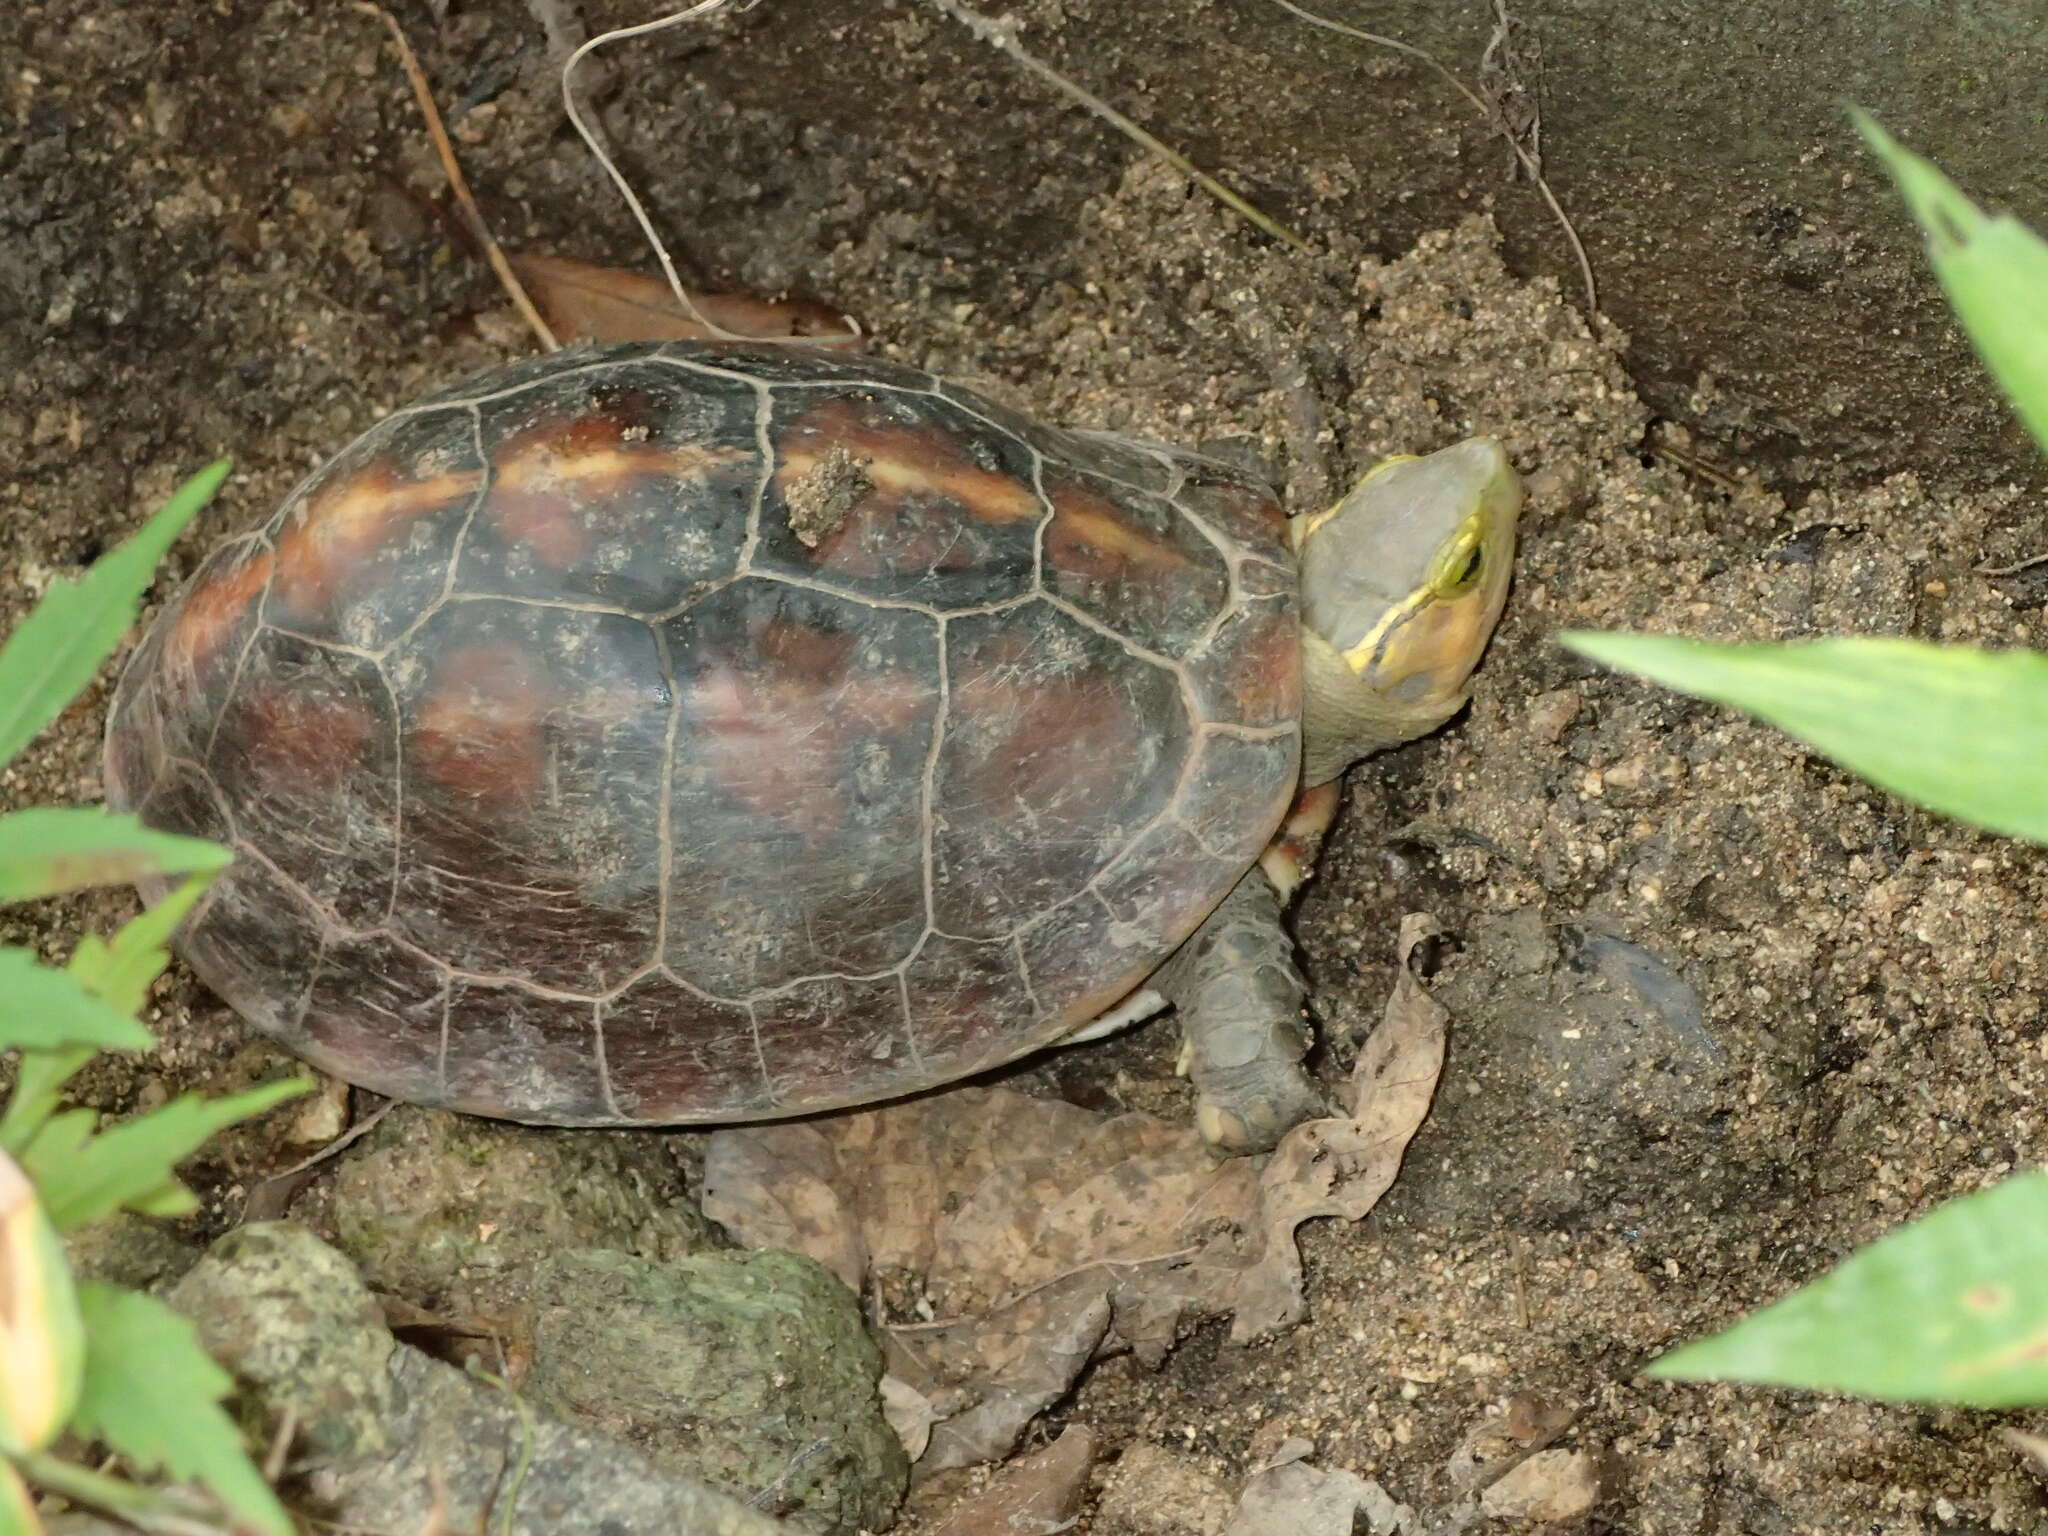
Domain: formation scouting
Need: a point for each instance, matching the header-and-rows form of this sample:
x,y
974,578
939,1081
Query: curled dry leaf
x,y
1009,1240
585,302
1343,1165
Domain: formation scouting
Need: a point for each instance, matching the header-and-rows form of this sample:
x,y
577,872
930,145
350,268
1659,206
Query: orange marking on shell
x,y
1089,537
1263,675
553,481
212,610
778,732
900,464
480,731
347,519
289,737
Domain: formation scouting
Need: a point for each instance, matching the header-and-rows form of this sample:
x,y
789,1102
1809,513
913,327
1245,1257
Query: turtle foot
x,y
1239,996
1253,1118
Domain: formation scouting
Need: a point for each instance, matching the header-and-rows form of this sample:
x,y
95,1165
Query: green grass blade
x,y
48,661
152,1394
48,851
1964,732
1950,1309
1994,270
132,1162
45,1009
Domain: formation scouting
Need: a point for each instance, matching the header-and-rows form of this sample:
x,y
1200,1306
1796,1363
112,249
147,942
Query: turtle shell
x,y
685,733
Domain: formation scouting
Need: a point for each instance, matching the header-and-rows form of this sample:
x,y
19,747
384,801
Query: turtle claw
x,y
1255,1122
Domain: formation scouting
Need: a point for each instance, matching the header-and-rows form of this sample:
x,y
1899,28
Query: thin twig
x,y
2013,569
505,1514
1004,40
280,1446
143,1508
1045,1285
347,1138
456,181
1530,164
767,1496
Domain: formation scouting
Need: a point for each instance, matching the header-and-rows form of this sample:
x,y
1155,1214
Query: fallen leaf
x,y
988,1377
1008,1240
585,302
1039,1495
1296,1499
910,1414
1549,1487
1343,1165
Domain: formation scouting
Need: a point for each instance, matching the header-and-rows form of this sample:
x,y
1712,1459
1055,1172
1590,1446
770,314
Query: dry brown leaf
x,y
988,1377
1010,1240
910,1413
1342,1166
1038,1496
585,302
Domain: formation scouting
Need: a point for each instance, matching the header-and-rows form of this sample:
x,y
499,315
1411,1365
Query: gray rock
x,y
465,1440
392,1440
753,1371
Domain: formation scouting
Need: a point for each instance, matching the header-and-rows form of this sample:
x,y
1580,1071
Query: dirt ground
x,y
1721,1013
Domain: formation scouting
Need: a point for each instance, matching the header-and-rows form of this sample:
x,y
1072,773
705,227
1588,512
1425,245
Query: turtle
x,y
693,733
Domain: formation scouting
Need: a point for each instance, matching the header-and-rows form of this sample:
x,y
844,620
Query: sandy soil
x,y
1722,1013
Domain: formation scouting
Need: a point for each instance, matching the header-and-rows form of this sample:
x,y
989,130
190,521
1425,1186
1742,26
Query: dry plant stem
x,y
456,181
140,1507
1004,41
1529,162
668,267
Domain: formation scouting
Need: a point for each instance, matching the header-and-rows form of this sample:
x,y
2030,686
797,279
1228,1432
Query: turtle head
x,y
1401,584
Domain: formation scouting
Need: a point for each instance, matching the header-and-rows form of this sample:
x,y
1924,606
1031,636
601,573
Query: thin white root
x,y
668,267
1531,165
1003,40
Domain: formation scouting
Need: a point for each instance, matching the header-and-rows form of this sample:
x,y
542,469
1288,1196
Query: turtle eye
x,y
1459,566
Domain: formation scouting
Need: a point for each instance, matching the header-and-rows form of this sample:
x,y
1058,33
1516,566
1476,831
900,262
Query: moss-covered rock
x,y
391,1440
752,1371
454,1212
287,1314
138,1252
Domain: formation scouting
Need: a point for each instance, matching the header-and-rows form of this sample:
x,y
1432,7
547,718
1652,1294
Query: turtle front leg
x,y
1239,993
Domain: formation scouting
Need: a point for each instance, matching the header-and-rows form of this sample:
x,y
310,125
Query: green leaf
x,y
1994,270
119,971
1962,731
42,1077
45,1009
50,659
152,1395
83,1177
1952,1309
46,852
